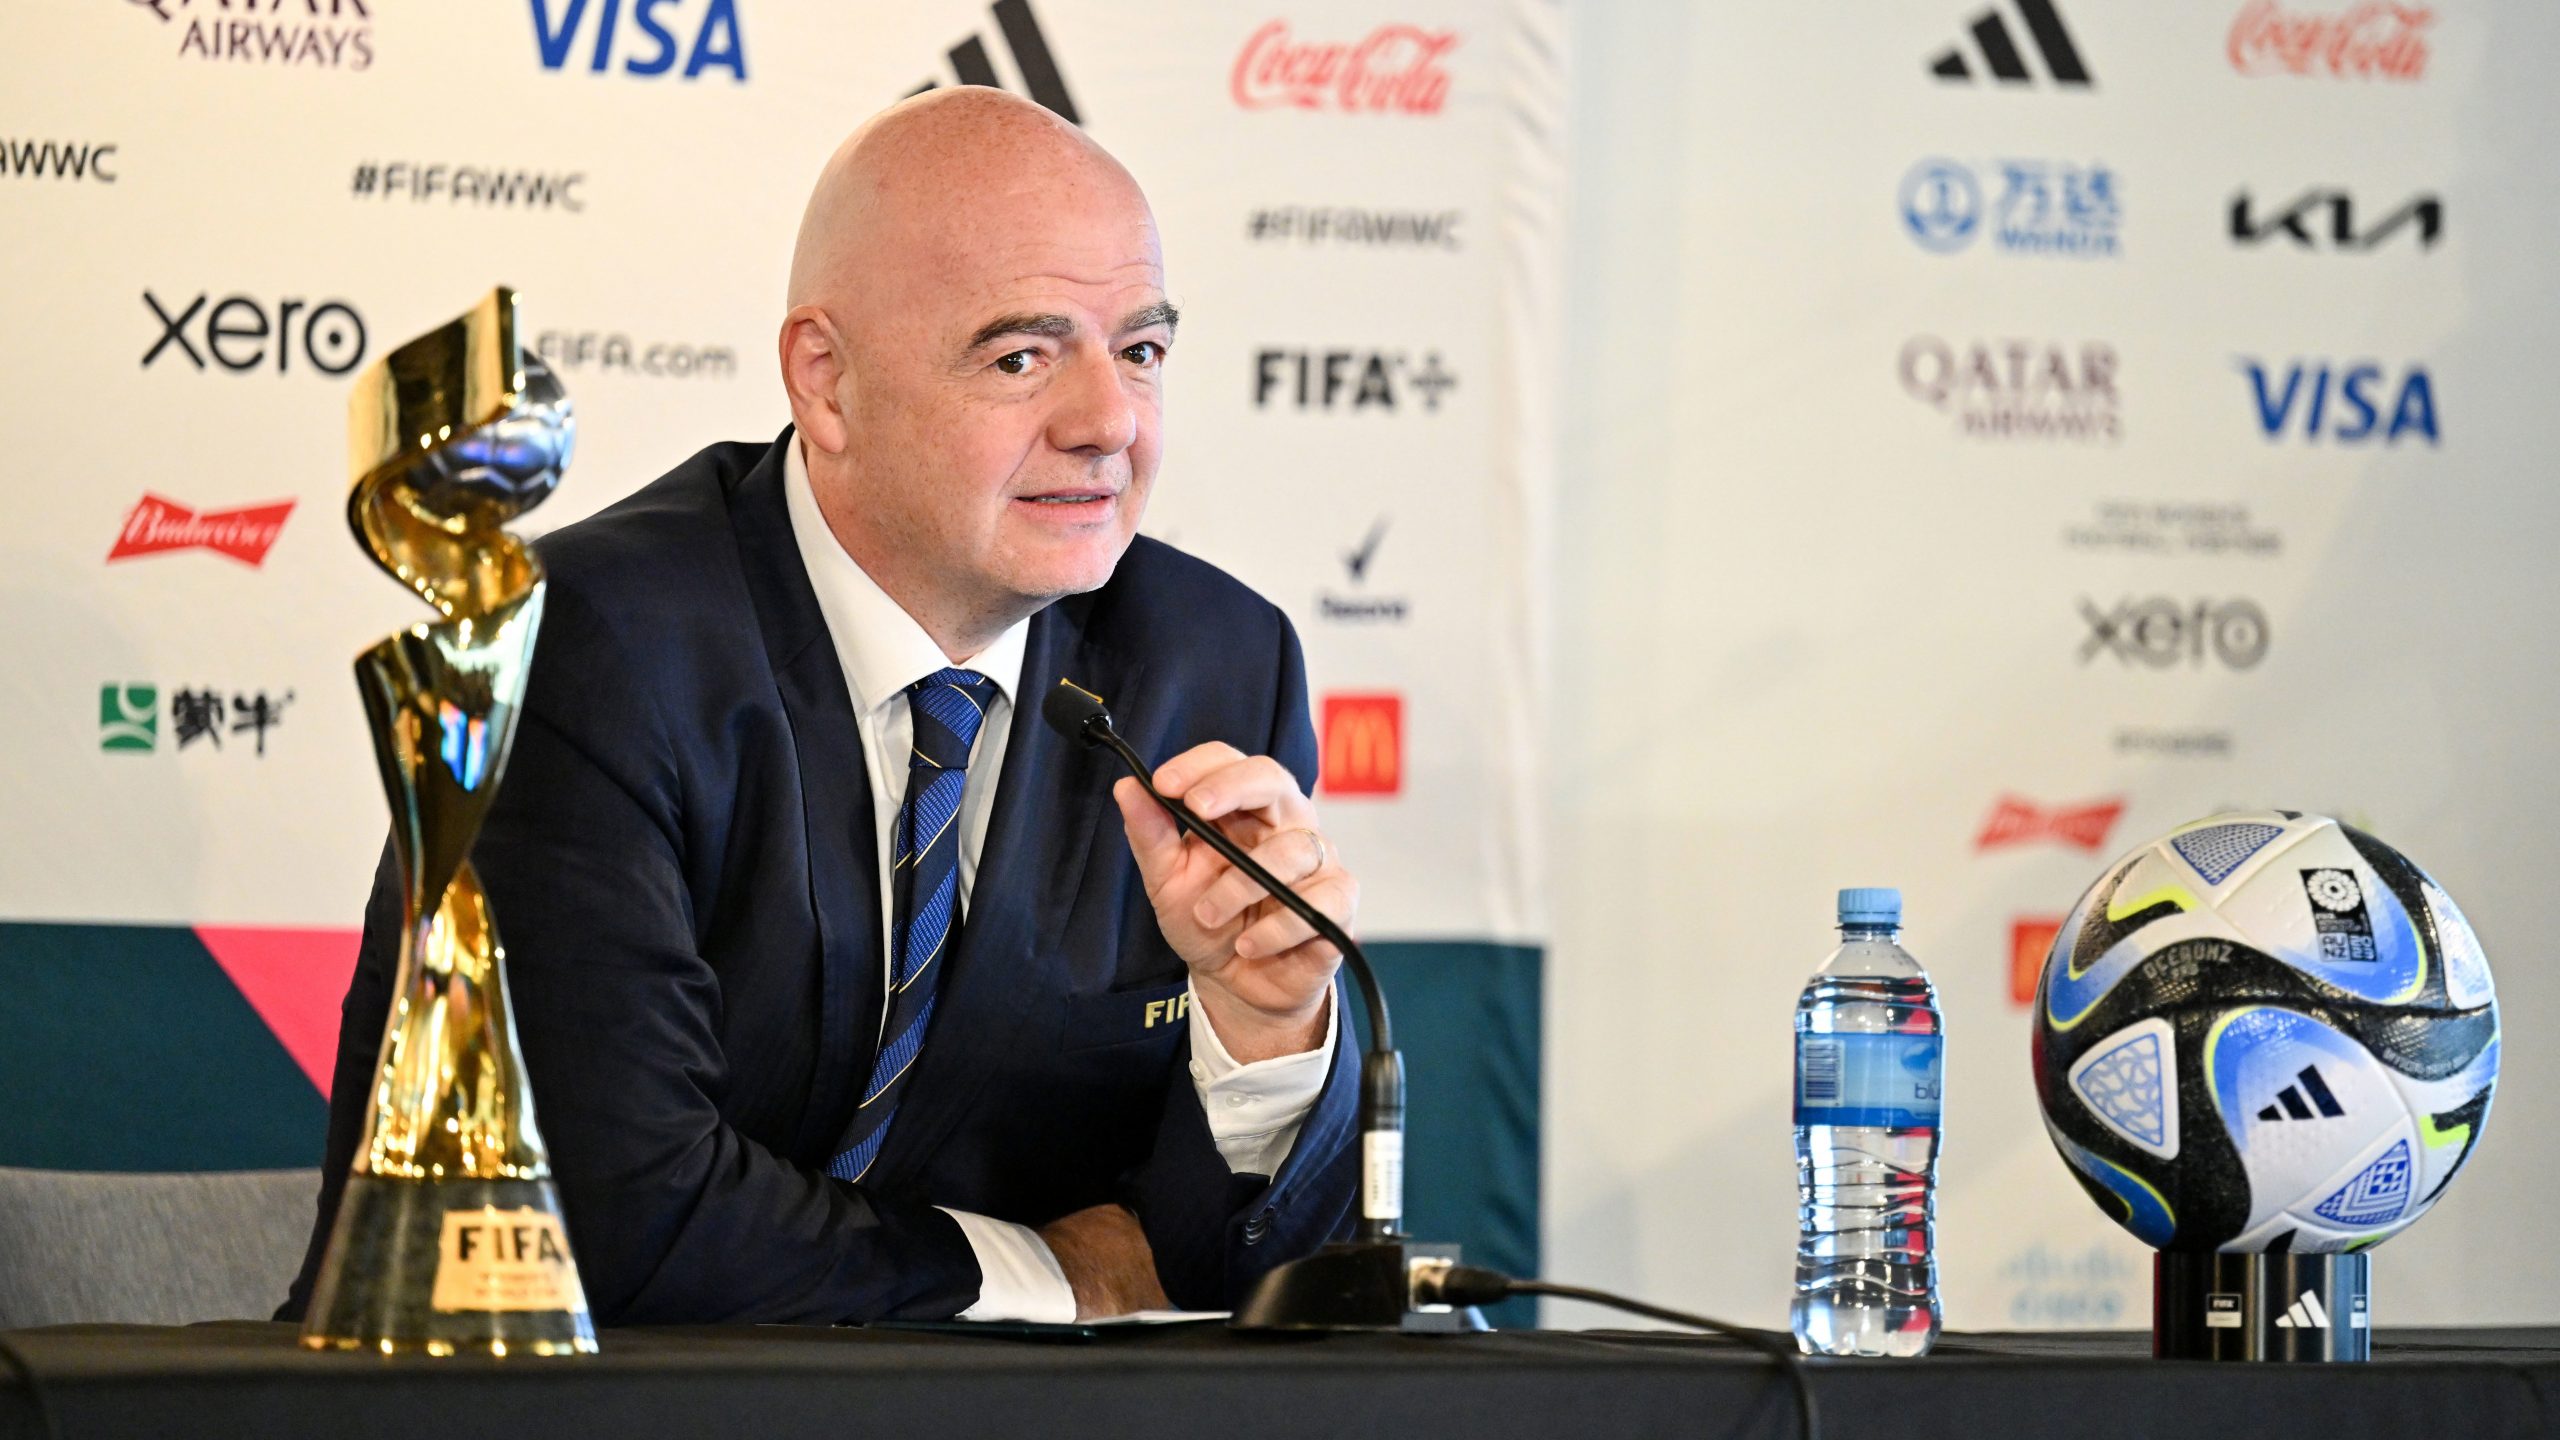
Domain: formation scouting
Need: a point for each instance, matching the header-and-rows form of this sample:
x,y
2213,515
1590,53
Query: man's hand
x,y
1259,971
1107,1261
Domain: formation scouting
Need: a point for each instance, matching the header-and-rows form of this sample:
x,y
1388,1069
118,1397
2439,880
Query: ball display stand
x,y
2260,1307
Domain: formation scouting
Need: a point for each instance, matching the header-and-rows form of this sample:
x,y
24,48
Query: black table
x,y
243,1378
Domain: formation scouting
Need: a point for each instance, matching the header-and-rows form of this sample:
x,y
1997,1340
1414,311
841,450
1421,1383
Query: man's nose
x,y
1096,415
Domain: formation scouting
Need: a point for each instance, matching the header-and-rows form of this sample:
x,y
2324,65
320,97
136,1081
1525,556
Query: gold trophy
x,y
449,1237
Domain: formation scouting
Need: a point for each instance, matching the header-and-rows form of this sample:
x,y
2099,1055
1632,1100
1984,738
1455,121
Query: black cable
x,y
1779,1348
26,1373
1382,1032
1476,1285
1078,713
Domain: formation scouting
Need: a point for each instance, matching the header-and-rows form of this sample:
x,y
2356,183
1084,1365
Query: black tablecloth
x,y
1205,1384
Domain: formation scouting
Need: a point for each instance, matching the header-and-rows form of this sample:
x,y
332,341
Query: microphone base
x,y
1354,1286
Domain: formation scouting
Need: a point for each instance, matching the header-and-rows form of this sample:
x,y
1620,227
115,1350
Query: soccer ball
x,y
2265,1032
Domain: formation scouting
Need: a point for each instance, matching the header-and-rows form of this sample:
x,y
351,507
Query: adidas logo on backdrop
x,y
1031,59
2000,55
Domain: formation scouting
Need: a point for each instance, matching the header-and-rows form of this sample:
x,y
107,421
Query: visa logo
x,y
2346,403
716,42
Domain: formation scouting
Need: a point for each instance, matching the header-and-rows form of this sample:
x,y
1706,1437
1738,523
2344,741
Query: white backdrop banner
x,y
221,214
218,214
1992,433
1999,432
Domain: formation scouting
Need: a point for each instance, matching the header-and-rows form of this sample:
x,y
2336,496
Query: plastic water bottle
x,y
1869,1074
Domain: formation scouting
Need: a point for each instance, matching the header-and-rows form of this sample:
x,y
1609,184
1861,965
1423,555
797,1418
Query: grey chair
x,y
150,1249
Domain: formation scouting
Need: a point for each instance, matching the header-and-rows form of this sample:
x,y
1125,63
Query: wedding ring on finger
x,y
1321,853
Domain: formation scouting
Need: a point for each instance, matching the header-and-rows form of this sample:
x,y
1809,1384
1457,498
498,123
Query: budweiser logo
x,y
2370,40
158,524
1397,69
2023,822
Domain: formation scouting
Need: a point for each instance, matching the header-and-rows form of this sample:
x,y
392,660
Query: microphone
x,y
1368,1282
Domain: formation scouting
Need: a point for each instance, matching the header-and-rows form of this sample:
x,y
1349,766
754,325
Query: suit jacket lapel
x,y
835,798
1049,803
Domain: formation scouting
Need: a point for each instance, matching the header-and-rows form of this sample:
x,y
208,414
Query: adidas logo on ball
x,y
2292,1098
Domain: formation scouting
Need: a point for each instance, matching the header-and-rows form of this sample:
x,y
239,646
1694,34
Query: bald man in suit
x,y
839,998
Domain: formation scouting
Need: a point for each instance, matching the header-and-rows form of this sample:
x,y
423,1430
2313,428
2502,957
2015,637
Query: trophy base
x,y
449,1267
2260,1307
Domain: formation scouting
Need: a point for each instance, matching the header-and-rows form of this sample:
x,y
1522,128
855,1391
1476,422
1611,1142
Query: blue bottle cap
x,y
1871,905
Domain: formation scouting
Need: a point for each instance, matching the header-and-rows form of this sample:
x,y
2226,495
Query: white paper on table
x,y
1160,1317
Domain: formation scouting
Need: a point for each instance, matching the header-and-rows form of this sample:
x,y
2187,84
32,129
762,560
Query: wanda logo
x,y
1396,70
2371,40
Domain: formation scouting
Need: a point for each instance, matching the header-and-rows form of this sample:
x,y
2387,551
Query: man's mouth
x,y
1069,497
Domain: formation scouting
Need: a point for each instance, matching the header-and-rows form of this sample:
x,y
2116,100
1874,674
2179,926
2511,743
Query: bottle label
x,y
1887,1080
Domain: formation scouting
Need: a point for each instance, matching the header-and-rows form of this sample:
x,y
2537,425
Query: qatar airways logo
x,y
1397,70
2370,41
158,525
330,34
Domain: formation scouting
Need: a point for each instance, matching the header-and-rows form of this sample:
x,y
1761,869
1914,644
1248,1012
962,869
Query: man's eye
x,y
1017,363
1145,352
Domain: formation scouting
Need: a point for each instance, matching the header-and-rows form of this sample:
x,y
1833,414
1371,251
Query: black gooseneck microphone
x,y
1382,1279
1365,1283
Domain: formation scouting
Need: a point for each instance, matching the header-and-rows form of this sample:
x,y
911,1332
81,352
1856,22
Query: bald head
x,y
973,352
949,160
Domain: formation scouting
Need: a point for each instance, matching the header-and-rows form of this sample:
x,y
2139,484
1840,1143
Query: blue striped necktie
x,y
947,706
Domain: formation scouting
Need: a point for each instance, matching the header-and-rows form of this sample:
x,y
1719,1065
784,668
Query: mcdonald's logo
x,y
2029,939
1363,745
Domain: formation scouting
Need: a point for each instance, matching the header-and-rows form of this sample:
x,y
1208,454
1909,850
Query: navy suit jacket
x,y
680,861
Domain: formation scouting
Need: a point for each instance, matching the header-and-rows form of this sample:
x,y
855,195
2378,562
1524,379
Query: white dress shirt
x,y
1253,1110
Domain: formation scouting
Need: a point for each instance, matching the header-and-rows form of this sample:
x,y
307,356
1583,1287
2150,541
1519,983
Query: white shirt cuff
x,y
1254,1110
1019,1278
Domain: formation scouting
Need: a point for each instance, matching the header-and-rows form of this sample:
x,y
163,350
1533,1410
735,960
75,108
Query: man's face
x,y
1003,385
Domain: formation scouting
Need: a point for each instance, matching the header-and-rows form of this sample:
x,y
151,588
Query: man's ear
x,y
813,372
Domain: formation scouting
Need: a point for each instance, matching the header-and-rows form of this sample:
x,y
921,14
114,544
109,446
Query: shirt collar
x,y
882,648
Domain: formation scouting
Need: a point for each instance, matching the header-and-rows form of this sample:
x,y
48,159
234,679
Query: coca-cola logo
x,y
2374,40
158,525
1396,70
